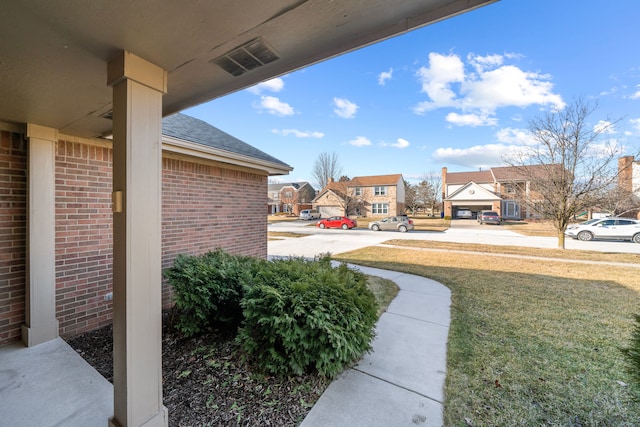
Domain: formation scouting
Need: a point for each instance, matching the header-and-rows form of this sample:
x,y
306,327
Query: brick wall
x,y
205,207
83,236
13,213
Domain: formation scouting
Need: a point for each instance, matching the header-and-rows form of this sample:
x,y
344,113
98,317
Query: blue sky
x,y
458,93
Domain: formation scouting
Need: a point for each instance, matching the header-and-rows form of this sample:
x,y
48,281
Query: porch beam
x,y
138,87
41,324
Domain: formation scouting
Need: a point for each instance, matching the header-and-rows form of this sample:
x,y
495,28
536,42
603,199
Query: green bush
x,y
307,315
208,289
632,353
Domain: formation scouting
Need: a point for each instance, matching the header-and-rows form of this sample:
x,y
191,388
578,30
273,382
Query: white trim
x,y
193,149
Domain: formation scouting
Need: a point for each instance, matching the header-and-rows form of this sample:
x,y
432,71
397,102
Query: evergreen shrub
x,y
302,316
208,289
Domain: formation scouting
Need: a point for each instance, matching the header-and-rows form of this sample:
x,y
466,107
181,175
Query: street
x,y
338,240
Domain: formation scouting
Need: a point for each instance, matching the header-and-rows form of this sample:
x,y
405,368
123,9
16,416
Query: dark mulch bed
x,y
207,383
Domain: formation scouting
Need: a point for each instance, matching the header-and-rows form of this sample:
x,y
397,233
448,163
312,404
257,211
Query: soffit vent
x,y
247,57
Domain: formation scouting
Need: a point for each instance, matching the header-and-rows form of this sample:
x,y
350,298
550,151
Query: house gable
x,y
472,192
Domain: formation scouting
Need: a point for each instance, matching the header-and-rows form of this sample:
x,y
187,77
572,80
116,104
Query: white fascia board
x,y
181,146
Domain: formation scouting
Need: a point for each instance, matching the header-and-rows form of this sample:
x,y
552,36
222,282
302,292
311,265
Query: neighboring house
x,y
291,197
500,189
210,184
379,195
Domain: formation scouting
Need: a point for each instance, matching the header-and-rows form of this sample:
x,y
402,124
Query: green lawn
x,y
531,343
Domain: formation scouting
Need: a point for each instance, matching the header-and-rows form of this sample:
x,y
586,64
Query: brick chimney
x,y
444,183
625,173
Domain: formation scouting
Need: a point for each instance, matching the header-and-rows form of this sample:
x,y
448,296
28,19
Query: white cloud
x,y
400,143
604,127
479,156
636,94
514,136
436,81
345,108
274,106
384,76
273,85
635,123
481,63
360,141
490,84
298,133
474,120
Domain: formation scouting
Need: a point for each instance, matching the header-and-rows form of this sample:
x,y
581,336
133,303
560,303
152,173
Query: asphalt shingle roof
x,y
190,129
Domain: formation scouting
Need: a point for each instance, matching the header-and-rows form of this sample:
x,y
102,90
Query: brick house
x,y
379,195
291,197
203,169
75,74
501,189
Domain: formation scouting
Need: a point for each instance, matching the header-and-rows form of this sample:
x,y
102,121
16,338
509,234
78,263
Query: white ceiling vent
x,y
247,57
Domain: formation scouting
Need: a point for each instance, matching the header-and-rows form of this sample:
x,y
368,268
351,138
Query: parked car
x,y
309,214
401,223
464,214
338,222
606,228
489,217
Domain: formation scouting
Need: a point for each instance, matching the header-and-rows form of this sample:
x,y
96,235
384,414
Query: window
x,y
357,191
288,194
380,191
510,188
380,208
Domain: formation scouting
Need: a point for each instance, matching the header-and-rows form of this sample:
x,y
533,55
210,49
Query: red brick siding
x,y
13,226
205,207
84,236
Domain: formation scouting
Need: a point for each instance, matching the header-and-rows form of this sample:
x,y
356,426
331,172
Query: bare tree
x,y
349,199
432,190
326,166
569,166
412,200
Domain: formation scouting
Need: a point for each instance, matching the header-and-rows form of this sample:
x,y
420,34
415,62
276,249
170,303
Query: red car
x,y
338,222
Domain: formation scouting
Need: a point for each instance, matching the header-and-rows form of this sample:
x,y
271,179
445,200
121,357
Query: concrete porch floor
x,y
51,385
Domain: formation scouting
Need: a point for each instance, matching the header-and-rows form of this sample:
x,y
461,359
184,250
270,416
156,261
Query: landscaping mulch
x,y
206,381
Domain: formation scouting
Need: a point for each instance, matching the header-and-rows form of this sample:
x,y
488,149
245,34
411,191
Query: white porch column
x,y
138,87
41,324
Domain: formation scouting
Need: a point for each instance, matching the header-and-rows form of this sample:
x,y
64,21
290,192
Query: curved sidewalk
x,y
401,382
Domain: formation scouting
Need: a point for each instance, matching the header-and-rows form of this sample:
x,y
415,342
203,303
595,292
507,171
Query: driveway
x,y
462,231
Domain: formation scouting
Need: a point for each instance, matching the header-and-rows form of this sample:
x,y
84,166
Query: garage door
x,y
327,211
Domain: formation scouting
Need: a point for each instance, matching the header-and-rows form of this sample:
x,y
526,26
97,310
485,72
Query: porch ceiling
x,y
54,55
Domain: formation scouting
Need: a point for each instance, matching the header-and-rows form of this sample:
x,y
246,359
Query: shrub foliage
x,y
302,315
208,289
295,315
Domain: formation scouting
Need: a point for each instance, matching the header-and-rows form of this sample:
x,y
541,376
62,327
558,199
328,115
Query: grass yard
x,y
279,235
531,228
531,343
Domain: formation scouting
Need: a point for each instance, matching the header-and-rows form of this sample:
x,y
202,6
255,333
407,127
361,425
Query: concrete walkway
x,y
51,385
401,382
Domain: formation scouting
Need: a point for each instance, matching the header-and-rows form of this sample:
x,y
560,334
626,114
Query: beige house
x,y
115,69
501,189
379,195
290,197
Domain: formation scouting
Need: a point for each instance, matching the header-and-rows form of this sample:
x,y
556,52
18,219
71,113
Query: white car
x,y
606,228
309,214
